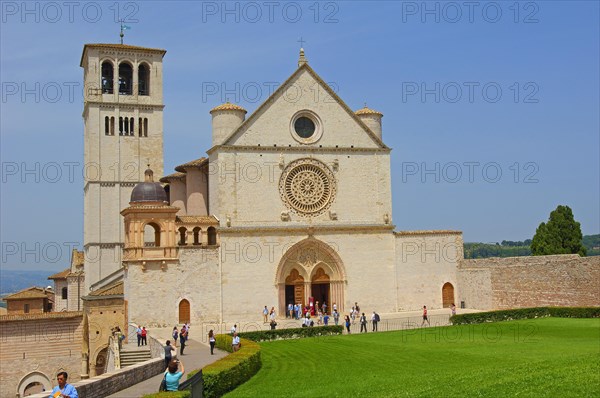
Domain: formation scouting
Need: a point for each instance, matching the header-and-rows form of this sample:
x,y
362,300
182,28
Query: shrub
x,y
236,368
297,333
526,313
170,394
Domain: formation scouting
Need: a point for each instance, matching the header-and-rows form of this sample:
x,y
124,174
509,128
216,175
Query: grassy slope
x,y
545,357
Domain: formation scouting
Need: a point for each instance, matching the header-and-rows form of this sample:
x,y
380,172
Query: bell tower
x,y
123,132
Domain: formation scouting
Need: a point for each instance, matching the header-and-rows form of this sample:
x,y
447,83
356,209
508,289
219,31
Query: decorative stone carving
x,y
333,215
307,187
285,216
386,218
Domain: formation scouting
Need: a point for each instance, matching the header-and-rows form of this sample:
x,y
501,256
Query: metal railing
x,y
195,384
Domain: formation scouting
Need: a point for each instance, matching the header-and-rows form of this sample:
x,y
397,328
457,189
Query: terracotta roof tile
x,y
368,111
110,290
193,164
30,293
196,219
173,177
61,275
228,106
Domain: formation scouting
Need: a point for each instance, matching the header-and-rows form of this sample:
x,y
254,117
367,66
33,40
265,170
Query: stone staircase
x,y
132,356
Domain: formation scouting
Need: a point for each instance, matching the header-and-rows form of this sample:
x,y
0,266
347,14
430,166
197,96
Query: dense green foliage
x,y
592,244
170,394
560,235
233,370
485,250
526,313
296,333
548,357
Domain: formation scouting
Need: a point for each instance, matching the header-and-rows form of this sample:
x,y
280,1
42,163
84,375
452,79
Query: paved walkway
x,y
196,356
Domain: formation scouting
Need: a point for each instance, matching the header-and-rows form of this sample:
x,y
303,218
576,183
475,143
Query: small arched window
x,y
196,235
125,78
107,77
182,236
106,125
212,236
145,127
112,125
131,126
143,80
140,131
121,127
152,235
64,293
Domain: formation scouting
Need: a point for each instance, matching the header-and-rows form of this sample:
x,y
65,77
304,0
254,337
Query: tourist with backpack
x,y
375,319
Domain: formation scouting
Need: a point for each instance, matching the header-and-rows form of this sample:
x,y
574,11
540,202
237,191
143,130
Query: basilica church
x,y
291,203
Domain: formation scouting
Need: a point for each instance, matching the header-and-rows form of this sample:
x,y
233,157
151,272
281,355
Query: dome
x,y
228,106
148,191
367,111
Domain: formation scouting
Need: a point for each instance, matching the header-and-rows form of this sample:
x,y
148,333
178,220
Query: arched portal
x,y
32,383
184,311
447,295
317,265
100,363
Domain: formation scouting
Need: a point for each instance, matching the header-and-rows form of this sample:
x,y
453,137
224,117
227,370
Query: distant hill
x,y
13,281
508,248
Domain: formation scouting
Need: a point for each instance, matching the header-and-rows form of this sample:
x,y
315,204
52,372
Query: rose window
x,y
307,186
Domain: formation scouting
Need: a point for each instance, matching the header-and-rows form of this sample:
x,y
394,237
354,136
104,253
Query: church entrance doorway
x,y
320,288
447,295
184,311
294,288
310,268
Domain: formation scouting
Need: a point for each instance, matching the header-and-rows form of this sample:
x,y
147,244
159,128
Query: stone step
x,y
131,357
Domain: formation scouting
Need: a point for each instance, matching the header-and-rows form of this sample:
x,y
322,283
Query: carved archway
x,y
33,379
313,260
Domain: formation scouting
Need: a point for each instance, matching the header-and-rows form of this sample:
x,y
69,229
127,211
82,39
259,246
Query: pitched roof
x,y
196,220
368,111
193,164
173,177
282,87
113,289
33,292
61,275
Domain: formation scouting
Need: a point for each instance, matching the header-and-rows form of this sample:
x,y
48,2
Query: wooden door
x,y
184,311
447,295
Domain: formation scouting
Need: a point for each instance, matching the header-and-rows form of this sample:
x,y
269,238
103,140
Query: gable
x,y
272,123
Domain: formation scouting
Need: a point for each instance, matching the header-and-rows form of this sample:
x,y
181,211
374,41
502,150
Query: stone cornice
x,y
308,229
298,149
427,232
122,105
37,317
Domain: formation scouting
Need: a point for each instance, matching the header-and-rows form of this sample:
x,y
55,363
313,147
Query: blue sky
x,y
492,111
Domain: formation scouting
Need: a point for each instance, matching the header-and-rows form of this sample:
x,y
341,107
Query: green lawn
x,y
550,357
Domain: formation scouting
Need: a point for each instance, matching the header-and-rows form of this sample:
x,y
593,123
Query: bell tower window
x,y
107,77
125,78
143,80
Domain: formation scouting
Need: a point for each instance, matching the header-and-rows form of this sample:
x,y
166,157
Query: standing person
x,y
336,316
326,319
296,311
138,331
272,314
144,336
63,389
175,336
173,374
235,342
347,322
182,340
363,323
425,316
290,311
273,324
265,314
334,307
212,341
357,308
234,329
324,308
168,356
453,309
375,320
353,315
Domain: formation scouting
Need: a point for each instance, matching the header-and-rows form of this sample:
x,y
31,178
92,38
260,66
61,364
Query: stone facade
x,y
36,347
519,282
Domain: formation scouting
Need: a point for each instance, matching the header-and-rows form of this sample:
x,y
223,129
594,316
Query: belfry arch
x,y
307,268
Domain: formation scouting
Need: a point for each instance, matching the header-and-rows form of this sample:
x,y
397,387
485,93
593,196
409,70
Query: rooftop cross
x,y
301,41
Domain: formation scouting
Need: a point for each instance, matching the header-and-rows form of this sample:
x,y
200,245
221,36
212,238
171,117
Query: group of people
x,y
142,335
182,335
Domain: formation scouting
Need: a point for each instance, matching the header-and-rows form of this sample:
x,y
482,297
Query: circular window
x,y
308,187
306,127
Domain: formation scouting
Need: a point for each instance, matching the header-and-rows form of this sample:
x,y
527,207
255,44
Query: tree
x,y
560,235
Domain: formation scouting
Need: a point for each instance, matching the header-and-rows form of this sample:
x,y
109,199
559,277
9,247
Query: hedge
x,y
526,313
170,394
296,333
233,370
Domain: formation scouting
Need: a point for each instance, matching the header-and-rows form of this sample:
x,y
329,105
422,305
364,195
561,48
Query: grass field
x,y
550,357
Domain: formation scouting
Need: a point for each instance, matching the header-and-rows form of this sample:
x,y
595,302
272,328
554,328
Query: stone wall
x,y
36,347
533,281
113,382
